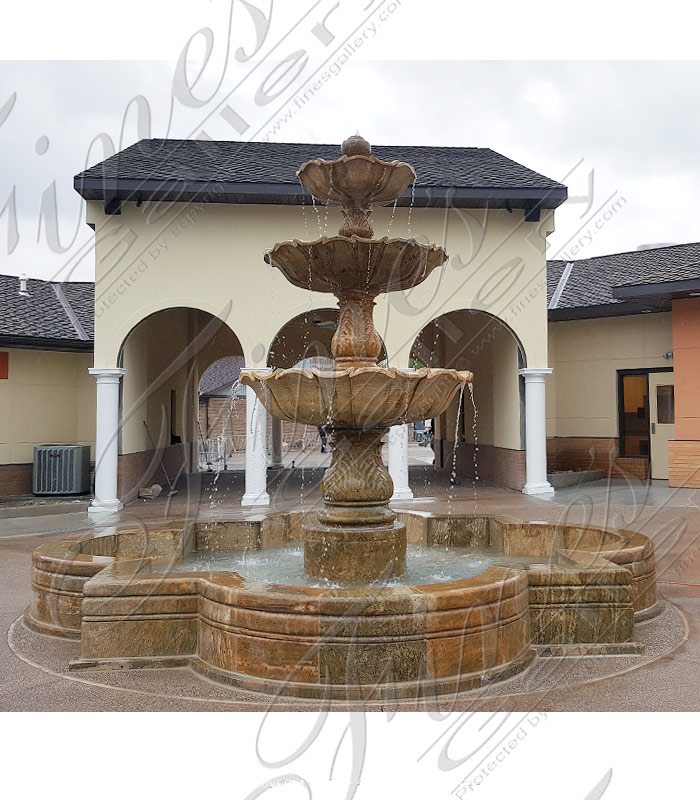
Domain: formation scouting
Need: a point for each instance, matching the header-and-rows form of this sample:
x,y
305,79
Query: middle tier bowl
x,y
344,263
356,397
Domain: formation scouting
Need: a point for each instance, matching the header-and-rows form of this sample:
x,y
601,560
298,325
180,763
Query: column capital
x,y
107,374
536,374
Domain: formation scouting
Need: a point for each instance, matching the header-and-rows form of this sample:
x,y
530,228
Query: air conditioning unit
x,y
61,469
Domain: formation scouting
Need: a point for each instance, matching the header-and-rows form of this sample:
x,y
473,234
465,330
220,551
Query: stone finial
x,y
356,146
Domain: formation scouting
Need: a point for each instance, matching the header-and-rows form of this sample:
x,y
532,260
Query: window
x,y
665,405
634,414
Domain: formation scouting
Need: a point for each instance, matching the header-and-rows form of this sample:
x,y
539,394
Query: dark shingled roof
x,y
595,286
57,315
220,376
170,168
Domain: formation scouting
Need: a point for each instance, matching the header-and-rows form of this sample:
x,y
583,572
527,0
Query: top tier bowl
x,y
358,180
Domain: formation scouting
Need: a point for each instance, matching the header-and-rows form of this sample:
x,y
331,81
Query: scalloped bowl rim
x,y
265,374
324,162
324,240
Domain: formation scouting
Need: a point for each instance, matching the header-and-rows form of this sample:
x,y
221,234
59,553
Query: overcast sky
x,y
623,135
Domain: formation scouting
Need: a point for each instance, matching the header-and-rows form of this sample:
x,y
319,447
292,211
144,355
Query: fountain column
x,y
106,441
255,450
276,451
398,462
535,432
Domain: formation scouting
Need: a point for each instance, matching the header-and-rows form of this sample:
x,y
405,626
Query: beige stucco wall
x,y
209,256
585,355
48,398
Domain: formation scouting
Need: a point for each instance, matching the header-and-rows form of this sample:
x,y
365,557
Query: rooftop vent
x,y
23,285
655,245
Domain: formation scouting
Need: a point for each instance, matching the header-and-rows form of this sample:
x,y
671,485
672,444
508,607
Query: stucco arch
x,y
469,339
164,355
485,321
115,330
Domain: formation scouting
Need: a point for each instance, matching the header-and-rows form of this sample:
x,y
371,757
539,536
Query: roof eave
x,y
46,343
655,293
622,309
133,189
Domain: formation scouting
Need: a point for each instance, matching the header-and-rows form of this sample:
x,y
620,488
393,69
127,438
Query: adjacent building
x,y
46,394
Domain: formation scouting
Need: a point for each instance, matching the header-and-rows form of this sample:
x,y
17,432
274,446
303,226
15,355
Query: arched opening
x,y
490,443
164,356
305,340
221,416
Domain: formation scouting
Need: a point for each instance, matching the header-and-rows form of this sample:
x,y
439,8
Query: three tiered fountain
x,y
363,622
357,536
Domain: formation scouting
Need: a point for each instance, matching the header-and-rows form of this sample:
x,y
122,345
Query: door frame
x,y
621,373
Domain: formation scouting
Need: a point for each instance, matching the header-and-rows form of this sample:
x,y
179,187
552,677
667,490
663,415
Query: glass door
x,y
662,418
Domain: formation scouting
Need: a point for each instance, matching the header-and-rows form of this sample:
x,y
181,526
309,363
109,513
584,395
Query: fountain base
x,y
137,599
357,554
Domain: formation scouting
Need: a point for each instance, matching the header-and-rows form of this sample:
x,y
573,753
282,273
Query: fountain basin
x,y
133,603
339,264
356,397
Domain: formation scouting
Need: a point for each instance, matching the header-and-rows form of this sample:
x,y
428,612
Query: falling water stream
x,y
410,208
453,474
475,433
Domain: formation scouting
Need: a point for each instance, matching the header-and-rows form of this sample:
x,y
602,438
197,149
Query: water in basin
x,y
285,565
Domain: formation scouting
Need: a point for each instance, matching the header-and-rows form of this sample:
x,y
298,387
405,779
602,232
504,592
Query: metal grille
x,y
61,469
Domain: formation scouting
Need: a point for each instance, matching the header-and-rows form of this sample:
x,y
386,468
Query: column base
x,y
103,507
402,494
256,499
545,487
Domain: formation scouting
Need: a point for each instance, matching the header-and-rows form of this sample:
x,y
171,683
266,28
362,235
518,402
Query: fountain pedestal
x,y
357,537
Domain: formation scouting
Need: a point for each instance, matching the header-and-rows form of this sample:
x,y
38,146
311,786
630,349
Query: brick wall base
x,y
590,452
15,479
496,465
144,468
684,464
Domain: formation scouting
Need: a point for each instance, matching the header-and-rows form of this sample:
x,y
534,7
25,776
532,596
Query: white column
x,y
276,442
535,432
255,451
106,441
398,462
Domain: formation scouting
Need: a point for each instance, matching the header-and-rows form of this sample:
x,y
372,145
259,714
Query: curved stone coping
x,y
249,632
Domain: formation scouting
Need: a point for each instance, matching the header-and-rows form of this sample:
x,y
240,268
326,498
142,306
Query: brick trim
x,y
497,465
15,479
594,452
684,464
136,470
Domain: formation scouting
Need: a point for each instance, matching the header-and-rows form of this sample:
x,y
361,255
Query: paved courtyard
x,y
33,668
